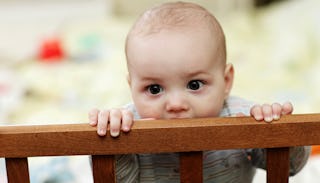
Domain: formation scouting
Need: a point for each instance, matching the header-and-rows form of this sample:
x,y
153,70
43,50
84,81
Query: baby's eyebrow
x,y
150,79
196,73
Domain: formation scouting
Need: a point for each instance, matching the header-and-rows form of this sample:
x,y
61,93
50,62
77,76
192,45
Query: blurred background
x,y
59,58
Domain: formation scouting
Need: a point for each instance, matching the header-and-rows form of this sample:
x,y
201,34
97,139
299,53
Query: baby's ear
x,y
228,79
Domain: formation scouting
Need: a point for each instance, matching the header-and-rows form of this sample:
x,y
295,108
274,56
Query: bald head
x,y
178,16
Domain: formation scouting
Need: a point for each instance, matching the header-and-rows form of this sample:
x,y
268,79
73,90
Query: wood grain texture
x,y
191,164
278,165
103,168
156,136
17,170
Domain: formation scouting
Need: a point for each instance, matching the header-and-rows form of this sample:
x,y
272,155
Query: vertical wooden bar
x,y
191,167
17,170
278,165
103,168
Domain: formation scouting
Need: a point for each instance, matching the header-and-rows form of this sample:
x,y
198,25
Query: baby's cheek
x,y
209,111
151,115
149,112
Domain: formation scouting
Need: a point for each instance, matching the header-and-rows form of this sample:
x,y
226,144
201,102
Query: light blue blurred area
x,y
54,170
275,51
3,172
69,169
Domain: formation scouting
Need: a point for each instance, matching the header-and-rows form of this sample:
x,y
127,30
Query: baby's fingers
x,y
115,122
276,111
287,108
256,112
267,112
103,118
264,112
93,117
127,120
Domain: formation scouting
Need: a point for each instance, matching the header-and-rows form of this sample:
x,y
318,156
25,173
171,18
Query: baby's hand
x,y
269,112
117,119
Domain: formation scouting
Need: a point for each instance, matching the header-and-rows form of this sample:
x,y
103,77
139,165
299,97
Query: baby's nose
x,y
177,103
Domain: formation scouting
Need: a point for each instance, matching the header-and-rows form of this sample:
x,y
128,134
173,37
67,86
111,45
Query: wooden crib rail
x,y
188,136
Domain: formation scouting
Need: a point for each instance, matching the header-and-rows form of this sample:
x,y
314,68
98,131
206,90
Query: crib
x,y
191,137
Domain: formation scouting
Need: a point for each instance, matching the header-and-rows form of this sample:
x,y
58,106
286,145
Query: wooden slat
x,y
155,136
191,164
278,165
103,168
17,170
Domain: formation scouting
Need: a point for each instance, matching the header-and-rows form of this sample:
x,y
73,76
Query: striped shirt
x,y
222,166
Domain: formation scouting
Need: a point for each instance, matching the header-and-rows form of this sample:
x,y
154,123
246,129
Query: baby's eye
x,y
194,84
154,89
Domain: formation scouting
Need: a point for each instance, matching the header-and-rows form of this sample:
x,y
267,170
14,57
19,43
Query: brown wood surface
x,y
191,164
278,165
17,170
156,136
103,169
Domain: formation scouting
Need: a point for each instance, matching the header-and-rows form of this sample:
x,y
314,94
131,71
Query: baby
x,y
176,59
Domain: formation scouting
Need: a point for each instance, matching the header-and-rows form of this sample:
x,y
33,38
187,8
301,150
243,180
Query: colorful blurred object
x,y
315,150
51,50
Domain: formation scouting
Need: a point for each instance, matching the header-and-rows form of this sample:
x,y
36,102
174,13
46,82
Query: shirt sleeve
x,y
236,105
132,108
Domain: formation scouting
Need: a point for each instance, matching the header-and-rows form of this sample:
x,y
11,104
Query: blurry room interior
x,y
60,58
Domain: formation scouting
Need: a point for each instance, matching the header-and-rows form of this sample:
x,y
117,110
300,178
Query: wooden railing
x,y
188,136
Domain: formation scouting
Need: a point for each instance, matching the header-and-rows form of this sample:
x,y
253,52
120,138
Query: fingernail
x,y
258,118
114,133
102,132
276,117
268,119
125,128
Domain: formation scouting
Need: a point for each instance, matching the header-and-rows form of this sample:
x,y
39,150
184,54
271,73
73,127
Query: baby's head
x,y
178,17
176,58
